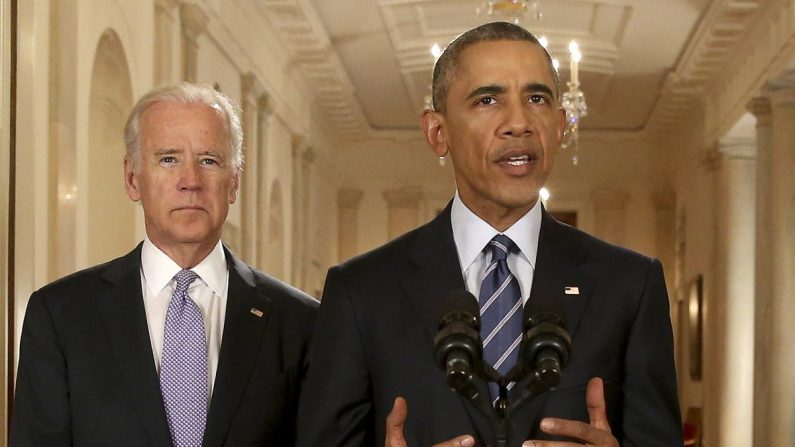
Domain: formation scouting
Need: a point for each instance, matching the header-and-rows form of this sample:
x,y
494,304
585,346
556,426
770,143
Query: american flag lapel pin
x,y
256,312
571,290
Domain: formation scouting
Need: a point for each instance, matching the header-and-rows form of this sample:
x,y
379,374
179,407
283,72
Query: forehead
x,y
502,62
167,119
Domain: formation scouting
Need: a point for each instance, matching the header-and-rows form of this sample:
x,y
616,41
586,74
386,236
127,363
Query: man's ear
x,y
235,187
433,126
131,180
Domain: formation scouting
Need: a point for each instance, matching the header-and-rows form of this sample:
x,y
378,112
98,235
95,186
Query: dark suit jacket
x,y
87,375
379,314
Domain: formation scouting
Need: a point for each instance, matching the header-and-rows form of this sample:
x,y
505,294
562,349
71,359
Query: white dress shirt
x,y
471,234
209,292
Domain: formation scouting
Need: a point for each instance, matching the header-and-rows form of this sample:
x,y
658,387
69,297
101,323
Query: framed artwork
x,y
695,325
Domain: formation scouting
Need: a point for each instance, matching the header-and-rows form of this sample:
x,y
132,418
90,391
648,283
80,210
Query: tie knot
x,y
184,278
501,245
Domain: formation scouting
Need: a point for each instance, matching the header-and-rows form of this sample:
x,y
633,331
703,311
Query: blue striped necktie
x,y
500,309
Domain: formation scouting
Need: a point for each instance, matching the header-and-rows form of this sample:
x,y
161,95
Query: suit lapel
x,y
437,271
124,318
559,286
240,345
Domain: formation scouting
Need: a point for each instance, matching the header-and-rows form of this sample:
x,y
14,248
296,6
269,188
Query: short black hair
x,y
445,66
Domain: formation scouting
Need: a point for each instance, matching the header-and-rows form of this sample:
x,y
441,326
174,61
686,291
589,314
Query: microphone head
x,y
458,304
546,346
458,348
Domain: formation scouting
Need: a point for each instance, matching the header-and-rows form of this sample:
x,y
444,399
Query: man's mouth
x,y
518,160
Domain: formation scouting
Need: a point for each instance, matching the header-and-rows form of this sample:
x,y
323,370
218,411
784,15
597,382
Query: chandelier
x,y
511,10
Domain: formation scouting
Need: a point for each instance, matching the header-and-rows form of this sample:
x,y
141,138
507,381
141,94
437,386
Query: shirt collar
x,y
471,233
159,269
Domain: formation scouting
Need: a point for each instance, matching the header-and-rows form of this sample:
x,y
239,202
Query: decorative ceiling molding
x,y
415,25
710,50
310,48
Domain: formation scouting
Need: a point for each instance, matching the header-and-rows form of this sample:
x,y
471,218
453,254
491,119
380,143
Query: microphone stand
x,y
499,415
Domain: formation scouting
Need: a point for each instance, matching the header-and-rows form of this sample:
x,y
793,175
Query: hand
x,y
595,434
394,429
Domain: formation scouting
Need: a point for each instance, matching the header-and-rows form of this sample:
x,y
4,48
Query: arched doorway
x,y
111,215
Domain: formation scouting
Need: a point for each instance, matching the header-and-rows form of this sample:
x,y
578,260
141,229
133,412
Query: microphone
x,y
457,344
545,347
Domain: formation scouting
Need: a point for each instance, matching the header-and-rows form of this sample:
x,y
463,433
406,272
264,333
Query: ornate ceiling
x,y
644,61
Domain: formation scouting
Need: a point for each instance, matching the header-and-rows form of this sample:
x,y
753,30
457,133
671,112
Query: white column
x,y
665,240
303,157
760,108
404,209
731,313
194,23
348,222
610,214
248,178
164,31
263,182
780,225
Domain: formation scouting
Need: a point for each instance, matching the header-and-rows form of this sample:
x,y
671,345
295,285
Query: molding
x,y
711,159
608,198
738,148
310,49
166,5
781,93
711,48
194,20
348,198
407,197
763,53
761,109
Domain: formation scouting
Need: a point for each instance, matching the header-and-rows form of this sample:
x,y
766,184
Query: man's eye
x,y
538,99
488,100
209,161
168,159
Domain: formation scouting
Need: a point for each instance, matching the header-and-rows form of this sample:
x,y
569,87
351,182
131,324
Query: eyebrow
x,y
166,151
494,89
172,151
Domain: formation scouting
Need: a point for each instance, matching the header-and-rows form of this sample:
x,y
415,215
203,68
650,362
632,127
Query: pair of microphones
x,y
543,352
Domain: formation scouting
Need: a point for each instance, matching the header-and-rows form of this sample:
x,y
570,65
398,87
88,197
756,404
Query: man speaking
x,y
497,113
178,342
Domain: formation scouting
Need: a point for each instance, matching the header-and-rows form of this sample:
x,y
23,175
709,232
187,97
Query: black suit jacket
x,y
87,375
379,314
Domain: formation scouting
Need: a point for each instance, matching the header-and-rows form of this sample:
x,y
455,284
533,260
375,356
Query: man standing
x,y
497,113
178,342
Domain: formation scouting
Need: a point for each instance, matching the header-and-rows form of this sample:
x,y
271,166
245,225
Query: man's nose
x,y
190,176
518,119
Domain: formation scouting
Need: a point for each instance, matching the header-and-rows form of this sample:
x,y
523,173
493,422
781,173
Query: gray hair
x,y
445,67
187,93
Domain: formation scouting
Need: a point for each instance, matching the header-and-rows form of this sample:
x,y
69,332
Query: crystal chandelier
x,y
513,11
573,101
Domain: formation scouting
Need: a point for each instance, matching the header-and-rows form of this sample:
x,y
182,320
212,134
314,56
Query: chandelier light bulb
x,y
436,51
544,42
544,193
